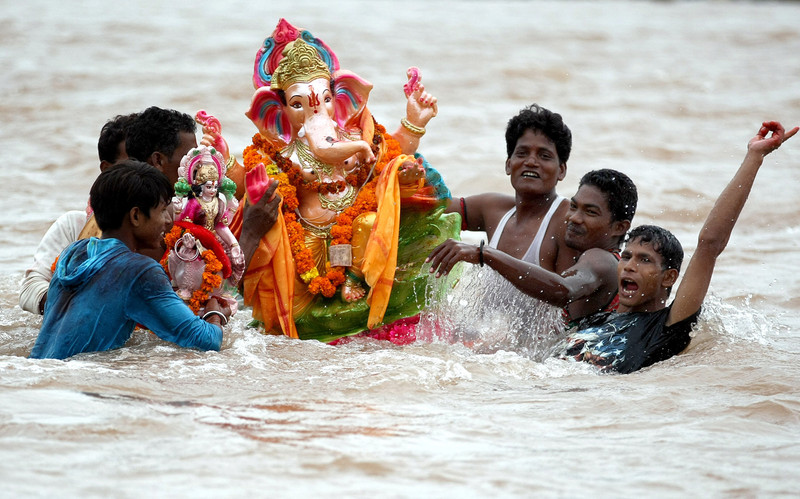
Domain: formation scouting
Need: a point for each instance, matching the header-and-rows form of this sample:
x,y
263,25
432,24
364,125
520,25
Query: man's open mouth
x,y
628,286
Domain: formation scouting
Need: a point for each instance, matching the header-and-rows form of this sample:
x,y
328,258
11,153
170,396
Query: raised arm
x,y
720,221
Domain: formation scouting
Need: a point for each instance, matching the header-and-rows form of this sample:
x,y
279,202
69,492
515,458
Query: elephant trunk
x,y
320,131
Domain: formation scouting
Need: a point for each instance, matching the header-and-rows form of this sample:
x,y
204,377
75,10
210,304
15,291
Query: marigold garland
x,y
211,278
289,177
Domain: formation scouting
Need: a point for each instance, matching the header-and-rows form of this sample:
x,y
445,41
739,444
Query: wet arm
x,y
153,303
577,282
719,224
474,208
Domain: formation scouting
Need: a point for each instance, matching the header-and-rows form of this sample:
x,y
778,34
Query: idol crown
x,y
301,63
208,171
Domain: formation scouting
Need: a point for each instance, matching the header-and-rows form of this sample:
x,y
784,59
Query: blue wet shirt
x,y
99,292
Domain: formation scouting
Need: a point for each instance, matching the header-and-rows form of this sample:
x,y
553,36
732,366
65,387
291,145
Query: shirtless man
x,y
538,144
599,215
645,330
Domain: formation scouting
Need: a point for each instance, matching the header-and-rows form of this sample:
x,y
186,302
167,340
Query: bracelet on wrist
x,y
223,320
416,130
480,253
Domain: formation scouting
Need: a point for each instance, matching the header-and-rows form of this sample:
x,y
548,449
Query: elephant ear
x,y
351,94
266,112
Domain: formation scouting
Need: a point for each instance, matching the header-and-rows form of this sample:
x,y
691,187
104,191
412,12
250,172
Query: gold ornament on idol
x,y
208,171
416,130
301,63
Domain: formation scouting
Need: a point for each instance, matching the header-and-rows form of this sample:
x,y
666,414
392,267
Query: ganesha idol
x,y
360,209
203,257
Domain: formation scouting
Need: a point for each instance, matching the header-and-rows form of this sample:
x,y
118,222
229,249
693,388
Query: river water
x,y
669,92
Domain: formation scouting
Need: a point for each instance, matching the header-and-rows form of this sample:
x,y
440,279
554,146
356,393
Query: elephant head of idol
x,y
302,95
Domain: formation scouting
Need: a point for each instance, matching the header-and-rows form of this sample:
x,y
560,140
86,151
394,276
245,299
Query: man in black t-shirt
x,y
644,330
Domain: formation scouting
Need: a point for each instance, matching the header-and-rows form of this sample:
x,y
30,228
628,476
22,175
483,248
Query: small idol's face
x,y
589,221
210,188
534,166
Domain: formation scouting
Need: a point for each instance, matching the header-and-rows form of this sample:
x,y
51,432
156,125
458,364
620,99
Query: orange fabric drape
x,y
380,257
270,277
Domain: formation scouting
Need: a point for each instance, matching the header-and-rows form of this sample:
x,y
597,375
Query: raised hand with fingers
x,y
421,106
257,182
765,143
212,133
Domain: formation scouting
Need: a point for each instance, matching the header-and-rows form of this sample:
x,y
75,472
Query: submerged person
x,y
645,330
103,287
528,225
598,218
69,227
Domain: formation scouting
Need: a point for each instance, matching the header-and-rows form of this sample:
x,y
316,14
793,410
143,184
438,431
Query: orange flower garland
x,y
211,278
290,179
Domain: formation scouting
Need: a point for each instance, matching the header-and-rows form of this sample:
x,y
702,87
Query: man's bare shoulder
x,y
488,208
601,261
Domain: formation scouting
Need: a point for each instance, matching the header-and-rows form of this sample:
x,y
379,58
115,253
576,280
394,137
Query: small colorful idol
x,y
203,254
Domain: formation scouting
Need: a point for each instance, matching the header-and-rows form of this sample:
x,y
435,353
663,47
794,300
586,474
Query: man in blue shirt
x,y
103,287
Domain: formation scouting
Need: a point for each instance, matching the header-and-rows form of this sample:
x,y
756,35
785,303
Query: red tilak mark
x,y
313,99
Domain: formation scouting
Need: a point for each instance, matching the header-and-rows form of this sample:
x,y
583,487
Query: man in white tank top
x,y
599,216
529,224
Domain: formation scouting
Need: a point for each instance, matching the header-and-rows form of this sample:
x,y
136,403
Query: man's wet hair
x,y
124,186
537,118
113,132
618,189
157,130
664,243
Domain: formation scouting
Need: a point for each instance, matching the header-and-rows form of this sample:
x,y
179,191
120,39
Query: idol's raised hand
x,y
421,106
257,183
212,133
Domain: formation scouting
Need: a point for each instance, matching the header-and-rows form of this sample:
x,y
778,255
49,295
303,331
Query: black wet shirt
x,y
626,342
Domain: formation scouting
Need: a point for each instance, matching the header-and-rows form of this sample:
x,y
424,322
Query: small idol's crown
x,y
300,63
208,171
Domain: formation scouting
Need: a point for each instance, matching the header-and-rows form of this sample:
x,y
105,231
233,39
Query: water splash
x,y
482,310
732,323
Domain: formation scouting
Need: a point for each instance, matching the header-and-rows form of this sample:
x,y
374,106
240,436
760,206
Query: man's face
x,y
589,221
150,232
641,280
122,155
534,166
187,141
